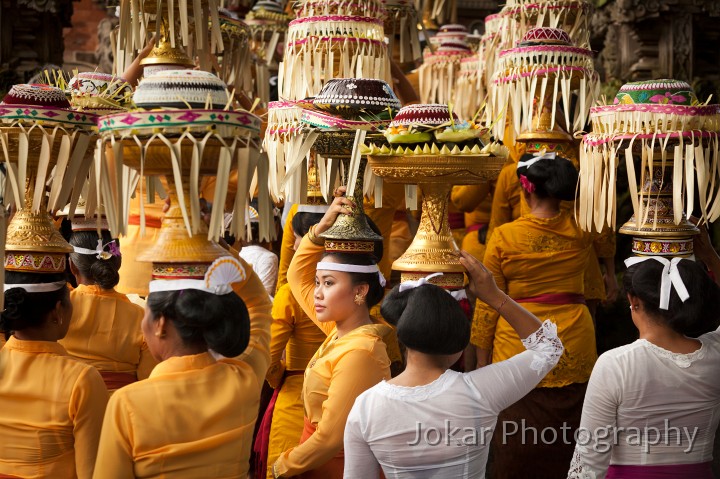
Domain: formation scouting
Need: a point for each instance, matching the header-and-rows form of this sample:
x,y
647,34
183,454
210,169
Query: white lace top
x,y
442,429
264,263
647,405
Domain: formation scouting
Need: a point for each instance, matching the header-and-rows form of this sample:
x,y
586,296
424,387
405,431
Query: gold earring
x,y
160,334
359,299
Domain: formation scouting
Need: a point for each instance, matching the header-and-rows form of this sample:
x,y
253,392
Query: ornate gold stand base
x,y
433,249
657,234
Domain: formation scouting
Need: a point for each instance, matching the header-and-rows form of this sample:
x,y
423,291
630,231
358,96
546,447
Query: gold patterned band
x,y
34,262
450,281
662,246
179,270
349,246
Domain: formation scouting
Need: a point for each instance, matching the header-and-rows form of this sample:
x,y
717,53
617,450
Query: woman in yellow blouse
x,y
105,329
539,260
194,416
352,359
295,335
51,406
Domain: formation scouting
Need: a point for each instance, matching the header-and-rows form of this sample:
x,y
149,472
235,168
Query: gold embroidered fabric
x,y
531,257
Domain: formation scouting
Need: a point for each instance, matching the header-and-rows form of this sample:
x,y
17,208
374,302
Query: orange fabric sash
x,y
114,380
554,298
333,469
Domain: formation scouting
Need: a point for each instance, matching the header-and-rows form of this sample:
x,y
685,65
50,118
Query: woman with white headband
x,y
105,329
405,426
652,407
194,416
51,406
336,291
540,260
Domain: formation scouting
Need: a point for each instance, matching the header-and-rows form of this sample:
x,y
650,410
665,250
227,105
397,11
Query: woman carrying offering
x,y
336,290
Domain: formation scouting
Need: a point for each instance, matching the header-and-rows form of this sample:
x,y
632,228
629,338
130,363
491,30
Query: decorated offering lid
x,y
423,115
36,95
352,96
661,92
545,36
181,89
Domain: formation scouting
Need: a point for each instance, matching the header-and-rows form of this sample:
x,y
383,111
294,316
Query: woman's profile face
x,y
334,295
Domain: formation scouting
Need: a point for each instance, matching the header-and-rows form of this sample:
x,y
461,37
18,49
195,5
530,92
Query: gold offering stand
x,y
653,227
173,242
433,249
349,232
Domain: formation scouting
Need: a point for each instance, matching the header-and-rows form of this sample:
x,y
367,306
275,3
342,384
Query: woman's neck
x,y
36,334
666,338
360,318
421,369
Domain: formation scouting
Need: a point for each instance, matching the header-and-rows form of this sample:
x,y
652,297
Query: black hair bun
x,y
553,178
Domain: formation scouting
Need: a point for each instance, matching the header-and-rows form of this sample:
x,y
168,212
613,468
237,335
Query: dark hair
x,y
103,272
428,319
696,316
376,291
218,322
553,178
28,310
302,222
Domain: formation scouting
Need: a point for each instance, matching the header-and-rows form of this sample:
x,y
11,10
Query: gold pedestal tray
x,y
433,248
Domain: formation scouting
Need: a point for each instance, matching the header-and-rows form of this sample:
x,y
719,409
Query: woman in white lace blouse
x,y
431,421
652,407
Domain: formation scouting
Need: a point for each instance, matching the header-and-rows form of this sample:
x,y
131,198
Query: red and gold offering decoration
x,y
660,127
431,148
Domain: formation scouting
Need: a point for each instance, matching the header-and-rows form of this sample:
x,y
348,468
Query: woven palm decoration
x,y
538,80
333,39
660,126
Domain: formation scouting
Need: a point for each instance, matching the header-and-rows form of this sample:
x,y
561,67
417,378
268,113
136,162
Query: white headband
x,y
313,208
670,277
541,155
37,287
352,268
218,279
99,250
405,285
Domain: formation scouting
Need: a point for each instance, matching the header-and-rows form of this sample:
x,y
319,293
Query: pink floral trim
x,y
545,6
510,78
336,18
705,110
321,120
547,48
527,184
598,140
14,114
280,104
336,39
